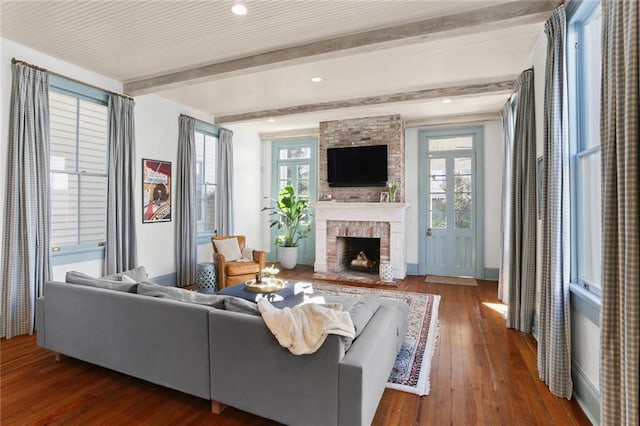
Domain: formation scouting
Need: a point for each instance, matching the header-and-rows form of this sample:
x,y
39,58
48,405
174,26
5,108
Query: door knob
x,y
429,232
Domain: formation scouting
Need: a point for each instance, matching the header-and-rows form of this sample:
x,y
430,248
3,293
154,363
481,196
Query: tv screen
x,y
357,166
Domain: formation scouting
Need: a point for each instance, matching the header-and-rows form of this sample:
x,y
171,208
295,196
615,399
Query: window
x,y
584,80
206,144
78,165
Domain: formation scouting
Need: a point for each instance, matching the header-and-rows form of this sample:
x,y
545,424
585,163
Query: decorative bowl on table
x,y
268,285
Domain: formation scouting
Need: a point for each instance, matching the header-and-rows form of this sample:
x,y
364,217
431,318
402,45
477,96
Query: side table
x,y
206,278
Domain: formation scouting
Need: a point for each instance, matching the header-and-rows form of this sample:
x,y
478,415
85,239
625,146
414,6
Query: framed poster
x,y
156,191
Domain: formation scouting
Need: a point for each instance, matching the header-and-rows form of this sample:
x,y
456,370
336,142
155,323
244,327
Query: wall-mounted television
x,y
357,166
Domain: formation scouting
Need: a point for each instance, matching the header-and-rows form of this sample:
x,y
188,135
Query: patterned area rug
x,y
353,277
413,364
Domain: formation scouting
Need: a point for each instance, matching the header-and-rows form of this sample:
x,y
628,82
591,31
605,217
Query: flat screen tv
x,y
357,166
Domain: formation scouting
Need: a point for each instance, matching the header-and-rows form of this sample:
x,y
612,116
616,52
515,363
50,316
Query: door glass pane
x,y
463,185
451,144
438,200
294,153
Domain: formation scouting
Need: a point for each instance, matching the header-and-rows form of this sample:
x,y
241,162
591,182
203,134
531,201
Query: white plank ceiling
x,y
134,40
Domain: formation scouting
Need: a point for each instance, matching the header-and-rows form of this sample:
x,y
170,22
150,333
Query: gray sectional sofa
x,y
225,356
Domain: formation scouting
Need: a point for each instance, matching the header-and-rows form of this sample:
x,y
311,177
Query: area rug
x,y
356,278
413,364
439,279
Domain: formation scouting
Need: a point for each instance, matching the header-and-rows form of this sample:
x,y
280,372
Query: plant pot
x,y
288,257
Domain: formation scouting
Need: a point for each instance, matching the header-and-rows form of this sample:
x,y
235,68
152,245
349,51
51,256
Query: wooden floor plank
x,y
481,374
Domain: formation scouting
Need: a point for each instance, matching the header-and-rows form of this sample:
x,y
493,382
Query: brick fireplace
x,y
384,221
357,212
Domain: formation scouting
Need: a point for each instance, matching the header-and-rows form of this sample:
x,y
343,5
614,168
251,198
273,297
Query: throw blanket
x,y
304,328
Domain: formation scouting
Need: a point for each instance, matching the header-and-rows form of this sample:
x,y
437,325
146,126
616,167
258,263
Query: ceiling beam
x,y
500,16
418,95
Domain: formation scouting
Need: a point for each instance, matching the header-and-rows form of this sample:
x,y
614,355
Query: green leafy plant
x,y
393,188
290,215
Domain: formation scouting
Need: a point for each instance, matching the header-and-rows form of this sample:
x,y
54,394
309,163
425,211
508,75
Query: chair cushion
x,y
242,268
229,248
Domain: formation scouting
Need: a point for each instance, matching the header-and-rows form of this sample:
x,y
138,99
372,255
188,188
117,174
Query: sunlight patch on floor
x,y
500,308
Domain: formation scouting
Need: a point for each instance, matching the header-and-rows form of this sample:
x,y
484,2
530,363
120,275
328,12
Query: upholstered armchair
x,y
232,267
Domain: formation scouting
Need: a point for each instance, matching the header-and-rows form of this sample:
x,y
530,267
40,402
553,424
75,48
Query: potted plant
x,y
290,215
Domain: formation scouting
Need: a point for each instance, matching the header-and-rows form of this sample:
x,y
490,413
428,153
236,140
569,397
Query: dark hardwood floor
x,y
481,374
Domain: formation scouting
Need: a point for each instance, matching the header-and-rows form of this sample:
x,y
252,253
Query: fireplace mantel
x,y
391,213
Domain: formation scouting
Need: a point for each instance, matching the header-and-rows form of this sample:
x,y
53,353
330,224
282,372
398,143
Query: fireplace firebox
x,y
358,254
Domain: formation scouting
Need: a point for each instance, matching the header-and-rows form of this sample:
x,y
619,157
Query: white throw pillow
x,y
229,248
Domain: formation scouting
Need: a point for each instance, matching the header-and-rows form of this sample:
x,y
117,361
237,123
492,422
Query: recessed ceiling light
x,y
316,79
446,101
239,9
271,120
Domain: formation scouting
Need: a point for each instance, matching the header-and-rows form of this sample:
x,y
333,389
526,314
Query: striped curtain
x,y
25,246
505,255
522,241
185,190
224,183
121,206
554,335
620,138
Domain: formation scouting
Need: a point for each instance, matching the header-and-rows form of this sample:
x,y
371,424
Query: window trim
x,y
579,13
78,252
213,131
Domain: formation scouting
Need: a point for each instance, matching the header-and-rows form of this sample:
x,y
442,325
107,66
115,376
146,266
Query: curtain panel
x,y
224,183
505,254
121,206
185,190
620,138
522,241
554,334
25,259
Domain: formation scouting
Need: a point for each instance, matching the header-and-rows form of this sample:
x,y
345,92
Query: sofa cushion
x,y
242,268
229,248
362,311
110,283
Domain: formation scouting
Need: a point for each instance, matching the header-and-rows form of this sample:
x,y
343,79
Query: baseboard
x,y
491,274
412,269
168,280
585,393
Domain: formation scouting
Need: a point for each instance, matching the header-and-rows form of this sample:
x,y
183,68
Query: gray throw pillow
x,y
362,311
138,274
181,295
110,283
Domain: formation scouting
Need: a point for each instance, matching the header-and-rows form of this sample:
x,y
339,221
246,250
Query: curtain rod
x,y
18,61
202,121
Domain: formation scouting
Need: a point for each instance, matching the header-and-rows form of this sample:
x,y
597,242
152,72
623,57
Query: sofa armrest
x,y
366,367
260,257
252,372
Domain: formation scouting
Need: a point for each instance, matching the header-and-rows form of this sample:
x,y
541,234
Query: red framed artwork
x,y
156,191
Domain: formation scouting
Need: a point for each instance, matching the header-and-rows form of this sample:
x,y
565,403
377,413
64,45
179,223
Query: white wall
x,y
157,139
247,164
493,160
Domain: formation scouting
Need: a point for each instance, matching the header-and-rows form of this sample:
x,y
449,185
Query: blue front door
x,y
294,163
